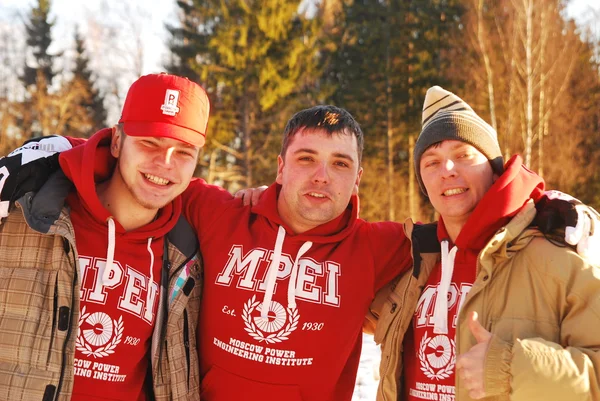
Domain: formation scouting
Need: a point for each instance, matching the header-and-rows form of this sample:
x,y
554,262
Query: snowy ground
x,y
368,371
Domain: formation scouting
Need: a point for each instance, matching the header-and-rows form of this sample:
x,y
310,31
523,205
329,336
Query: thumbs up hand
x,y
470,365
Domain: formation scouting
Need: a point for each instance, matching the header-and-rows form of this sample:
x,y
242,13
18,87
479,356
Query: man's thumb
x,y
478,331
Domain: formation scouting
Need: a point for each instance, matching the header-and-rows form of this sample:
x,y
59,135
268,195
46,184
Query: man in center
x,y
287,282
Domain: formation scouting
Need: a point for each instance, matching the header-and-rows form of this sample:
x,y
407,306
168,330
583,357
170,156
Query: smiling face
x,y
456,176
152,171
318,173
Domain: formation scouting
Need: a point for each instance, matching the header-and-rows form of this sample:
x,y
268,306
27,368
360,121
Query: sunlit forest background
x,y
523,65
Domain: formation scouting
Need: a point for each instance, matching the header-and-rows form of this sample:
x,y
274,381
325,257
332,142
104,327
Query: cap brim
x,y
164,130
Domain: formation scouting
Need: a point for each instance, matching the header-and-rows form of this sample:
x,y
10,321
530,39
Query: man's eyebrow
x,y
182,144
306,150
429,152
459,145
189,146
314,152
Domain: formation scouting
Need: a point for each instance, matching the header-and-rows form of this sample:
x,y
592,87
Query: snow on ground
x,y
368,371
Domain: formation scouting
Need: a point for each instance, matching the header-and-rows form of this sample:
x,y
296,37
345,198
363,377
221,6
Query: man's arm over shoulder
x,y
391,251
204,204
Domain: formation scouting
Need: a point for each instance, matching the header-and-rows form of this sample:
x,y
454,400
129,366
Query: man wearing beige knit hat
x,y
518,315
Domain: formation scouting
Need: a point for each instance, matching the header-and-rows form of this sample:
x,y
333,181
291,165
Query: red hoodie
x,y
307,347
117,313
429,345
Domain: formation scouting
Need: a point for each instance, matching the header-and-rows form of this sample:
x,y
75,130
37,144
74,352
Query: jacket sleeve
x,y
535,368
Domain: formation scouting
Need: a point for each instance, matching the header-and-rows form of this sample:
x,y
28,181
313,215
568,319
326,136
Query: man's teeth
x,y
156,180
317,195
454,191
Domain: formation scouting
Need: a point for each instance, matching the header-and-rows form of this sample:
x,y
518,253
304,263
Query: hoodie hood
x,y
92,163
333,231
500,203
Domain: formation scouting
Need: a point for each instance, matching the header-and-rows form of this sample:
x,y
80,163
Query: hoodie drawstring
x,y
151,281
110,252
292,284
110,258
272,274
440,314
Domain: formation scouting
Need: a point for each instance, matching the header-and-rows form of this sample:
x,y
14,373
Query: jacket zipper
x,y
186,345
394,330
54,319
163,329
68,335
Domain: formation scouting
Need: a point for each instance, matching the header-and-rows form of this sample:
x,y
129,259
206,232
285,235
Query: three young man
x,y
288,281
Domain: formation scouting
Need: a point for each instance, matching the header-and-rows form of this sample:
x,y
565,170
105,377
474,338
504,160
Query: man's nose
x,y
321,173
166,156
448,168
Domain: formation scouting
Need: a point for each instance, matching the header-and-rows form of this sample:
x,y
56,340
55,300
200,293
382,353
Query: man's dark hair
x,y
334,120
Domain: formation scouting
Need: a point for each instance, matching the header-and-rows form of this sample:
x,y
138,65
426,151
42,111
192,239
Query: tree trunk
x,y
542,101
412,195
486,59
529,78
210,178
247,139
390,142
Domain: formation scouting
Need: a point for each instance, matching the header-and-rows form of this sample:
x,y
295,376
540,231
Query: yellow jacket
x,y
540,301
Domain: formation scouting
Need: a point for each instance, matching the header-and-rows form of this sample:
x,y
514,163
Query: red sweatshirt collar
x,y
499,204
331,231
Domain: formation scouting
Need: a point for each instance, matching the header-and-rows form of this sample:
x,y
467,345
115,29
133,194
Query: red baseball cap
x,y
169,106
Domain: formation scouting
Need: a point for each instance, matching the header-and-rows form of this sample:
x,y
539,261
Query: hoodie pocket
x,y
221,385
28,299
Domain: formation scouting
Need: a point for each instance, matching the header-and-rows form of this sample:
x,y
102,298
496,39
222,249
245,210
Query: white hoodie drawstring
x,y
110,257
272,273
148,304
110,252
440,314
274,269
293,277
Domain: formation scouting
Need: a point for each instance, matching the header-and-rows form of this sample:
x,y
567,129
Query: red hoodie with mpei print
x,y
282,313
429,350
118,312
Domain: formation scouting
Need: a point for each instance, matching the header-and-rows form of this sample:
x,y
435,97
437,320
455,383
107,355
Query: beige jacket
x,y
540,301
39,305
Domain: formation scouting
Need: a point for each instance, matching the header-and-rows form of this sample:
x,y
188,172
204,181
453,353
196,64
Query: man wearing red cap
x,y
99,271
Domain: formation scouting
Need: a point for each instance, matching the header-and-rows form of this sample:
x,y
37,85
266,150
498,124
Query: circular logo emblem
x,y
437,356
97,334
275,328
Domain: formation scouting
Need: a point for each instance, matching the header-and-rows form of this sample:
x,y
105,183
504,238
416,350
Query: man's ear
x,y
115,142
280,164
357,183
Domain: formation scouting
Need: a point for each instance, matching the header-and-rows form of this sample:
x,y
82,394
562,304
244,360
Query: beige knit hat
x,y
448,117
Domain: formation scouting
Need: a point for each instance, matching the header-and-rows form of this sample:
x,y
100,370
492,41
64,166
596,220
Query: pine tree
x,y
39,38
37,112
92,101
384,56
252,57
